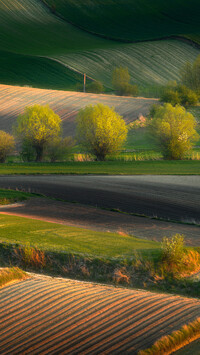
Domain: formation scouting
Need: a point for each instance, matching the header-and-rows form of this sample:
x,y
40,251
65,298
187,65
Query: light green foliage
x,y
100,130
59,148
190,75
179,95
120,81
7,144
38,125
173,249
174,129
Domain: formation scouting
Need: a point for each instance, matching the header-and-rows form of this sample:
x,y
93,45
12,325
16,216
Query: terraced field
x,y
43,50
53,316
67,104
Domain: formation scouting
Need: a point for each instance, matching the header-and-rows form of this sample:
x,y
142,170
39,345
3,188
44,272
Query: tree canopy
x,y
38,125
121,82
174,129
7,144
100,130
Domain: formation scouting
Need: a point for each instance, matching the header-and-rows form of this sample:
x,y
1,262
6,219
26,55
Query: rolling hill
x,y
42,50
13,100
131,20
43,315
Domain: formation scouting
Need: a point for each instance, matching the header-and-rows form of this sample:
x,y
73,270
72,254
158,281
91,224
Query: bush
x,y
37,126
121,83
100,130
174,129
179,95
59,148
27,152
173,250
7,145
95,87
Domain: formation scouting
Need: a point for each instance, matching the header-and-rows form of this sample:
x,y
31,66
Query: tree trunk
x,y
39,152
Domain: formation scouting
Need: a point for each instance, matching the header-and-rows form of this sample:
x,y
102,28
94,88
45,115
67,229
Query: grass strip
x,y
174,341
183,167
11,274
56,237
11,196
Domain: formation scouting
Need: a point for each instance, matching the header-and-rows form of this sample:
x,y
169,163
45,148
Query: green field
x,y
56,237
182,167
32,38
131,19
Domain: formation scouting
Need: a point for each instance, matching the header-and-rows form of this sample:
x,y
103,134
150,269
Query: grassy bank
x,y
107,168
8,275
95,256
11,196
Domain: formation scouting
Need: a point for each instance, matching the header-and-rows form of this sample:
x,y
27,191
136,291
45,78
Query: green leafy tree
x,y
7,144
174,129
38,125
121,82
95,87
190,75
100,130
179,95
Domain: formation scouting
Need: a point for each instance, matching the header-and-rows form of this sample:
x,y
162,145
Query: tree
x,y
7,145
38,125
95,87
120,81
100,130
179,95
190,75
174,129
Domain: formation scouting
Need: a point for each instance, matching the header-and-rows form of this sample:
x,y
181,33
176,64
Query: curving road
x,y
169,197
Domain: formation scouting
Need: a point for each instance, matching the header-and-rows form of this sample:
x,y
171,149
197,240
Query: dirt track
x,y
54,316
97,219
168,197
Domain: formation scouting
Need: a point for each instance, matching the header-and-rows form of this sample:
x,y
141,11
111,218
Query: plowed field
x,y
14,99
52,316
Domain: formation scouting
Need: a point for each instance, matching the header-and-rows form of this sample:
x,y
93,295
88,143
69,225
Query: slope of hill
x,y
32,36
132,20
13,100
42,315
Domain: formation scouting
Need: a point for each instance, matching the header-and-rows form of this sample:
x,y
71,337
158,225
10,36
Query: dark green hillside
x,y
132,19
36,72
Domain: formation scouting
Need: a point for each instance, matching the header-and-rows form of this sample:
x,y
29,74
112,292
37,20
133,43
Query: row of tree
x,y
100,130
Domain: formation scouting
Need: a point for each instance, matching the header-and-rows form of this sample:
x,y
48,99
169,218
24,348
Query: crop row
x,y
42,316
14,99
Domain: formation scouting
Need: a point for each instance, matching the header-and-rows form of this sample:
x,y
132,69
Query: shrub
x,y
95,87
58,148
173,250
7,145
100,130
121,83
179,95
174,130
28,152
38,125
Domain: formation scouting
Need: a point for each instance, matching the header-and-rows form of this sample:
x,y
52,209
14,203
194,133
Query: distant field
x,y
131,19
32,38
160,167
13,100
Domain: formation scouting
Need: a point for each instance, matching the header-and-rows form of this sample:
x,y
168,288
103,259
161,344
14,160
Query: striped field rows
x,y
56,316
14,99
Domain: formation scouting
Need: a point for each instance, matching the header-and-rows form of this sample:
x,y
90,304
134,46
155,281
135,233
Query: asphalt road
x,y
169,197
